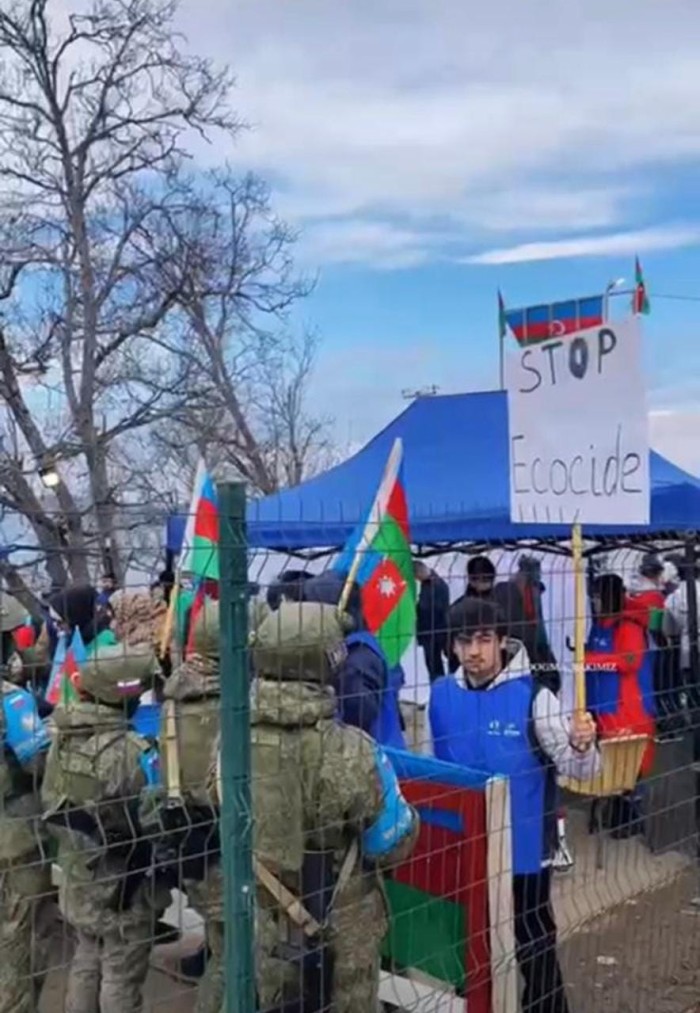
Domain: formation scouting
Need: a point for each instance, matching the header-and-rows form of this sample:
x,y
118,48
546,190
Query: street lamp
x,y
48,473
609,289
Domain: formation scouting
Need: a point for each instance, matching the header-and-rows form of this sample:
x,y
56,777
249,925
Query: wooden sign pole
x,y
579,618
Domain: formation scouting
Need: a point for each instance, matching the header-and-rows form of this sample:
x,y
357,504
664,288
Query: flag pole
x,y
501,345
501,361
377,511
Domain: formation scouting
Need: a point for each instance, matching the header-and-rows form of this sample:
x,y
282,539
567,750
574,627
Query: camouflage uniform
x,y
26,906
315,788
94,766
193,692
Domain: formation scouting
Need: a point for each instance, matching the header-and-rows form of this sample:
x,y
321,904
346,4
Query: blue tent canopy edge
x,y
456,477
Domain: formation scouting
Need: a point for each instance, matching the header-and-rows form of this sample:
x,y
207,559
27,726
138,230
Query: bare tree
x,y
95,124
233,301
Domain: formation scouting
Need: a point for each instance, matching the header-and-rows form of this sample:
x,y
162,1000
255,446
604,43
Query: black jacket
x,y
432,625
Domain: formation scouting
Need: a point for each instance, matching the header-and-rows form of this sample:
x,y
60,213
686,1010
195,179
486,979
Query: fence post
x,y
236,810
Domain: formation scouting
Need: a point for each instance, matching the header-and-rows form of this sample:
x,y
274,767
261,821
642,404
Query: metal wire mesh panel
x,y
197,774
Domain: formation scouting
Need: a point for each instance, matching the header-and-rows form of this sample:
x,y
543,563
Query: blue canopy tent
x,y
456,477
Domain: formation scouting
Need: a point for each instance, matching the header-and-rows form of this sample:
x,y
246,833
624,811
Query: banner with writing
x,y
578,429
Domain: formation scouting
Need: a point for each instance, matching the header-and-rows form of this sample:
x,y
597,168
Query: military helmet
x,y
205,634
118,673
302,641
12,613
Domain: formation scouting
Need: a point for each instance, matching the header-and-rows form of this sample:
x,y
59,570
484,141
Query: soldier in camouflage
x,y
316,791
26,904
189,726
96,769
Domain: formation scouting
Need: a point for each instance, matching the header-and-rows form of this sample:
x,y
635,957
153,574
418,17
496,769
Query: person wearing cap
x,y
520,600
493,715
288,586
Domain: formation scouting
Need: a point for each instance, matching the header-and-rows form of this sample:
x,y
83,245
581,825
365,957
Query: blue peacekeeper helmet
x,y
396,819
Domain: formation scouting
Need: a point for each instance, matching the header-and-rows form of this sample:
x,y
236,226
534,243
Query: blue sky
x,y
432,152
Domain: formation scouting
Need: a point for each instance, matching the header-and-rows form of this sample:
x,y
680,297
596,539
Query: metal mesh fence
x,y
215,820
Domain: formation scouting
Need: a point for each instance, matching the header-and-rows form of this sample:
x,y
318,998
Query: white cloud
x,y
615,244
676,435
356,241
409,113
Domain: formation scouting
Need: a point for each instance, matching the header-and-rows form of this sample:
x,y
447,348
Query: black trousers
x,y
536,945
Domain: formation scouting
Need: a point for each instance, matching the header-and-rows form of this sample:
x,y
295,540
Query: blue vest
x,y
387,730
26,734
491,730
603,684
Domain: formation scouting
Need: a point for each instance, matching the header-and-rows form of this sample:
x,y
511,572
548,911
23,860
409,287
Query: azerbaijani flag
x,y
438,898
378,555
640,299
502,318
200,555
200,544
65,671
554,320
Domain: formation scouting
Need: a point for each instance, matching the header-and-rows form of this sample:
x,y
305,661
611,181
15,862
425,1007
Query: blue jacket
x,y
491,730
368,691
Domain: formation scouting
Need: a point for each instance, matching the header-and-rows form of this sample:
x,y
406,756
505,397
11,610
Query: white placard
x,y
578,429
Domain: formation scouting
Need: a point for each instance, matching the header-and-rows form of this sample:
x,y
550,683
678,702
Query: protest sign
x,y
578,429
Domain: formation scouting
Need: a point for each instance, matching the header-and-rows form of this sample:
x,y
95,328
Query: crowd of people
x,y
127,816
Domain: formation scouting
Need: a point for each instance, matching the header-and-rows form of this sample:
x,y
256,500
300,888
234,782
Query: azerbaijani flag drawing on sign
x,y
65,671
552,320
378,555
200,544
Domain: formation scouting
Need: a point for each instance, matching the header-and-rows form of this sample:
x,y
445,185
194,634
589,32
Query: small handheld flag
x,y
640,299
64,678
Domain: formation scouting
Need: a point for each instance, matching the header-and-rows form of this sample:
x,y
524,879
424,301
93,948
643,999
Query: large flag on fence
x,y
200,544
378,556
65,669
553,320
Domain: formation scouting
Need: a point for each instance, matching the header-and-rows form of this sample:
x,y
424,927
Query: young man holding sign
x,y
492,715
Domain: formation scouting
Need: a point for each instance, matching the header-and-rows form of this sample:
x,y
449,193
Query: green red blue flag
x,y
552,320
65,671
200,556
378,554
640,299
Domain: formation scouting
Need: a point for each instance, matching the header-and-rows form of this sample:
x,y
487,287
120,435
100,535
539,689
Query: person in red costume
x,y
620,681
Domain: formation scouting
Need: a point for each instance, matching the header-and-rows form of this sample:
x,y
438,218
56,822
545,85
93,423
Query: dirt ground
x,y
642,958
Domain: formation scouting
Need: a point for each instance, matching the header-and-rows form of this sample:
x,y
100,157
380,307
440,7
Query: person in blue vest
x,y
366,687
493,716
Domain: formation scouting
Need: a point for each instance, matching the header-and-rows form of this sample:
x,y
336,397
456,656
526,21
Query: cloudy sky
x,y
433,152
